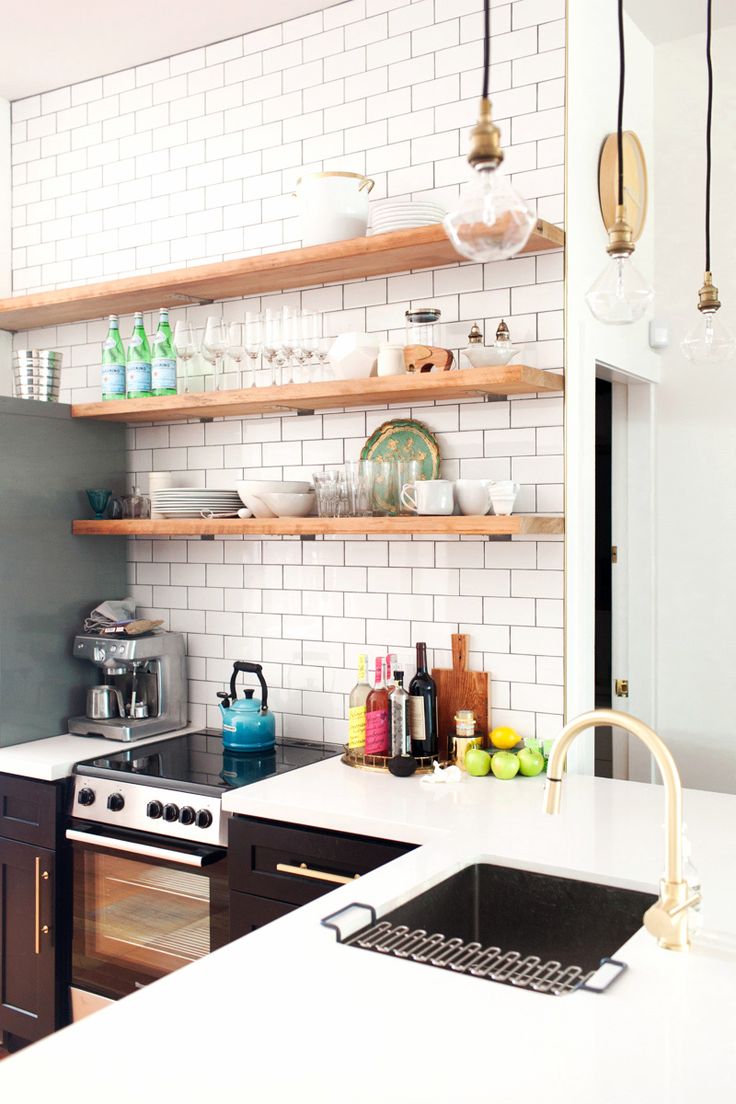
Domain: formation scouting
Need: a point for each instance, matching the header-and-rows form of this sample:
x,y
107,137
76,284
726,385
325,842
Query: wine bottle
x,y
390,673
399,704
163,358
376,714
138,362
423,708
113,362
358,697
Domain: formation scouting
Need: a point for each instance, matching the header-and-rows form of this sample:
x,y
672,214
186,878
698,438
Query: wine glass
x,y
252,342
272,343
186,345
309,327
215,346
290,345
236,347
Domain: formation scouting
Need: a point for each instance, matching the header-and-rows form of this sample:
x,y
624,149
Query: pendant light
x,y
620,295
490,221
710,340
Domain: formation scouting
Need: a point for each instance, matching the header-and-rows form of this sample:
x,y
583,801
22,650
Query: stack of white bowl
x,y
37,374
404,214
268,498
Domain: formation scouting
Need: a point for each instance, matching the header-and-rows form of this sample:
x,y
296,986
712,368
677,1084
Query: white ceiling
x,y
668,20
45,44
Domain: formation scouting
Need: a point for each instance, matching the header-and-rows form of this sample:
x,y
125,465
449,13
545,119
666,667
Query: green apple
x,y
505,764
531,761
477,762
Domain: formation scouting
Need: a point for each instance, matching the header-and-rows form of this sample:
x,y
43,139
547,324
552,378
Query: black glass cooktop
x,y
197,761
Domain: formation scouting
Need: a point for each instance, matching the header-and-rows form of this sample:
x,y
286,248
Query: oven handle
x,y
147,850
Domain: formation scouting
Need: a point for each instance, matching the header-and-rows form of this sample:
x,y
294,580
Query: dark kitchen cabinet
x,y
275,867
34,925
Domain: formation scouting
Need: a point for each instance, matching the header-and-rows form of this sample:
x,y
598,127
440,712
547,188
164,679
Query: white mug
x,y
503,495
428,496
473,496
391,360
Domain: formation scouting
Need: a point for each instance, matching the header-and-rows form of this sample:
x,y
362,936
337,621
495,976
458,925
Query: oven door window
x,y
137,919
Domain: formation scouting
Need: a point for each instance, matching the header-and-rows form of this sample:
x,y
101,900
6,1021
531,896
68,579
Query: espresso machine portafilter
x,y
143,690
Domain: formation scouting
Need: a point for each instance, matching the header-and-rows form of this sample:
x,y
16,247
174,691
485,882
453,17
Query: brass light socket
x,y
485,140
708,301
620,236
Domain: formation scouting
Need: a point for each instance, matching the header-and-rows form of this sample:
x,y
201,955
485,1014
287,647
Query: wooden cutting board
x,y
459,688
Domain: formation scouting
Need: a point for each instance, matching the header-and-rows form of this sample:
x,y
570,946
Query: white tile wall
x,y
193,158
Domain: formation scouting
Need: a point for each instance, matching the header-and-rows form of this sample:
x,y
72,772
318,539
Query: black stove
x,y
173,786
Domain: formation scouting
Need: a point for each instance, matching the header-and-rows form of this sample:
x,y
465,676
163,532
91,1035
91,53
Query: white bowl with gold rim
x,y
333,206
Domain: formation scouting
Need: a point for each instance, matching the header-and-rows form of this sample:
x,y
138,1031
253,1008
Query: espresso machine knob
x,y
116,802
86,796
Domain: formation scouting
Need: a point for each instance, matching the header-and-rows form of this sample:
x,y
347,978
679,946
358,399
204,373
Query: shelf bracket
x,y
204,421
180,297
307,536
499,536
207,536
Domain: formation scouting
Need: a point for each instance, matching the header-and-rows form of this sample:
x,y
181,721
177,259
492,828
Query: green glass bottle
x,y
138,362
113,362
163,358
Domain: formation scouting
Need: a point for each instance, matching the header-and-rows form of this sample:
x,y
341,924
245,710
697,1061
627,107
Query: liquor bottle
x,y
358,697
390,672
163,358
399,705
113,362
423,708
376,714
138,362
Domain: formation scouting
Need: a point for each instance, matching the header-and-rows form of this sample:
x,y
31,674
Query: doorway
x,y
603,582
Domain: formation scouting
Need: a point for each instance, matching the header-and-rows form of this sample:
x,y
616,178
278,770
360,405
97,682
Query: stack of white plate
x,y
403,214
194,502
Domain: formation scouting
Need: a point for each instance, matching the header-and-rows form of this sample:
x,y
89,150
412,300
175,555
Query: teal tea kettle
x,y
247,724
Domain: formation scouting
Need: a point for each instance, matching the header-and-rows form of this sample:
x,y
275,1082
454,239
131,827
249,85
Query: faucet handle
x,y
667,918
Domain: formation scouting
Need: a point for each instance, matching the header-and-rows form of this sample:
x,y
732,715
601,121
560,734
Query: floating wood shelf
x,y
380,255
514,525
511,379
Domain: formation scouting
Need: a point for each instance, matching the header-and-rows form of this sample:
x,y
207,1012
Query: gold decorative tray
x,y
356,757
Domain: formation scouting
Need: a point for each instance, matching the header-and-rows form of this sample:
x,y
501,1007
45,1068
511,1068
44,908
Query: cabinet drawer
x,y
297,864
30,810
248,912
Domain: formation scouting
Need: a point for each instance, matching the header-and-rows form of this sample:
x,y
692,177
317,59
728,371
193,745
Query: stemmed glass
x,y
290,336
185,343
309,325
215,346
252,342
273,343
236,347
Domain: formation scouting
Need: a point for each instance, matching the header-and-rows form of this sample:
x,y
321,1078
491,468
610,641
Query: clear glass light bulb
x,y
709,341
490,221
620,295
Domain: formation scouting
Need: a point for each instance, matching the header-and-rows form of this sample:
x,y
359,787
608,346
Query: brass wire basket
x,y
357,758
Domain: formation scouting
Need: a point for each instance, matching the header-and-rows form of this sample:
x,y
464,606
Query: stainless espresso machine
x,y
143,690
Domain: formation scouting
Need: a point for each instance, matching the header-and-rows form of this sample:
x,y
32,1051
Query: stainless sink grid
x,y
492,963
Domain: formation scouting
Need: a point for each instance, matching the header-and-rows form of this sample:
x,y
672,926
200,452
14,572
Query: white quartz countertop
x,y
53,758
287,1014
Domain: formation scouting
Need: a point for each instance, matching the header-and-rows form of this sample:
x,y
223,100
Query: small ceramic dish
x,y
489,356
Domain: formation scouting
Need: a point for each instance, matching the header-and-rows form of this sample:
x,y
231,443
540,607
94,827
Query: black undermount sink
x,y
536,931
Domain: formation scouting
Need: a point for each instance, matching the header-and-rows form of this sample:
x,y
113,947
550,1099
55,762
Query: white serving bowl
x,y
289,505
354,355
489,356
252,490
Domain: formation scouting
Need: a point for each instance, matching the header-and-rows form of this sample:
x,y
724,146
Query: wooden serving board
x,y
459,688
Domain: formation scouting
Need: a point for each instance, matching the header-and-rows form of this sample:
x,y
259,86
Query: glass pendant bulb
x,y
620,295
490,221
710,341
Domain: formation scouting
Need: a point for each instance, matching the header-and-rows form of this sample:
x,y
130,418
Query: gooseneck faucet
x,y
667,918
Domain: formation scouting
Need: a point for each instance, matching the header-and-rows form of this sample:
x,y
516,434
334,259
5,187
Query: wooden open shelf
x,y
511,379
399,251
514,525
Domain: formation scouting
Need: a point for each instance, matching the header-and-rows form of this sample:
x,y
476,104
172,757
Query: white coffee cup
x,y
391,360
428,496
473,496
503,496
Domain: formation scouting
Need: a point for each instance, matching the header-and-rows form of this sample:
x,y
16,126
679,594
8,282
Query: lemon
x,y
504,737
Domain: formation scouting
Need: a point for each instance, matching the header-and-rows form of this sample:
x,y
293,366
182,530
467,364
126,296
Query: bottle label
x,y
138,376
376,732
113,379
417,722
362,662
356,726
163,374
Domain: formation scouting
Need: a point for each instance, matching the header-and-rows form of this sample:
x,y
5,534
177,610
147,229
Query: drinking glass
x,y
98,500
252,343
309,331
215,345
236,347
290,348
386,488
408,471
272,343
332,493
359,477
324,370
186,345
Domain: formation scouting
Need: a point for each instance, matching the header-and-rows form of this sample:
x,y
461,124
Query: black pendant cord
x,y
620,122
486,48
708,121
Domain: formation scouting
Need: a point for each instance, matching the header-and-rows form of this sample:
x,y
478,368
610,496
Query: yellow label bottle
x,y
356,711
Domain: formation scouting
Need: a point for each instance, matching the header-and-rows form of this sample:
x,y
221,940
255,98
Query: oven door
x,y
143,907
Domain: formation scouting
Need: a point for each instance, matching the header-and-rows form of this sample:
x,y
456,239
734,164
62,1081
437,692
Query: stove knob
x,y
115,802
171,813
86,796
204,818
154,809
186,815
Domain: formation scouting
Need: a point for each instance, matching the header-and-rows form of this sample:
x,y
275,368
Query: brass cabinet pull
x,y
305,871
41,929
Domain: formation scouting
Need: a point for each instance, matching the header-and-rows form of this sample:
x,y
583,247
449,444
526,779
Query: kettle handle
x,y
254,669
